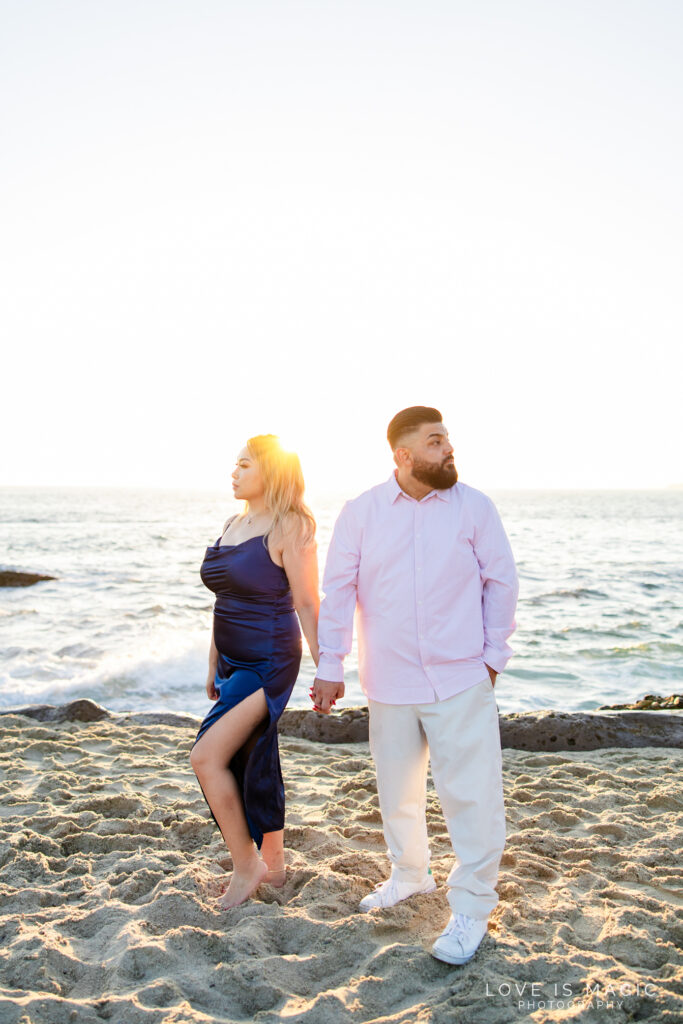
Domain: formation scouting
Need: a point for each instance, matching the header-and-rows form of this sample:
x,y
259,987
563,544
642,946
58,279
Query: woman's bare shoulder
x,y
296,531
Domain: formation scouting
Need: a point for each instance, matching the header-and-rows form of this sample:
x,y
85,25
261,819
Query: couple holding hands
x,y
426,562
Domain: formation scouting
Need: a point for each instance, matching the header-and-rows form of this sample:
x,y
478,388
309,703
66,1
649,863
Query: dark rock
x,y
161,718
591,730
349,725
88,711
538,730
535,731
21,579
75,711
651,702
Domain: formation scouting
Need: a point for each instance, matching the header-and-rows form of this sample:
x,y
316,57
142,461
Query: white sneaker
x,y
391,892
460,939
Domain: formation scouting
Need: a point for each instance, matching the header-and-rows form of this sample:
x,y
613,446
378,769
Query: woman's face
x,y
247,482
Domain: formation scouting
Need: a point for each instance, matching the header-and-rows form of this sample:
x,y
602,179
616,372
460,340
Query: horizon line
x,y
198,488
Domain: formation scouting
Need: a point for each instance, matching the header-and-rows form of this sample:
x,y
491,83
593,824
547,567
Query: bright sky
x,y
227,218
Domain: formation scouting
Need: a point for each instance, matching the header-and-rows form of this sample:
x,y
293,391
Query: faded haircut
x,y
407,420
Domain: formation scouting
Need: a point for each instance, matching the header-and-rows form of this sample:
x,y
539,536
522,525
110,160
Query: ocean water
x,y
127,621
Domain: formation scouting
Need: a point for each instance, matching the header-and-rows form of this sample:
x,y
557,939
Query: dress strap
x,y
227,524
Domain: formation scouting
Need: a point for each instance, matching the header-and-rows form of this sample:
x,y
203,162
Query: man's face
x,y
431,456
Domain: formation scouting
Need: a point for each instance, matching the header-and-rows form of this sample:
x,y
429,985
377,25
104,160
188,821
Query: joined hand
x,y
324,695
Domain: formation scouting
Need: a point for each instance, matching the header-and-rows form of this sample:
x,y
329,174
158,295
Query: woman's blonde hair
x,y
283,483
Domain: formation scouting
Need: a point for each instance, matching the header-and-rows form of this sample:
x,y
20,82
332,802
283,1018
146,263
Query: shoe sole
x,y
420,892
451,958
454,961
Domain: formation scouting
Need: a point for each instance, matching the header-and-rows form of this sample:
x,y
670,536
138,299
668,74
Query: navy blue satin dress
x,y
257,636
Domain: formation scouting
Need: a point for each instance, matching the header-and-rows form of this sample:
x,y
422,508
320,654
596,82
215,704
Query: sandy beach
x,y
110,868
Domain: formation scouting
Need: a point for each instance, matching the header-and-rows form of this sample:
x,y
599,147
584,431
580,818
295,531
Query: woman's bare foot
x,y
273,853
243,885
276,878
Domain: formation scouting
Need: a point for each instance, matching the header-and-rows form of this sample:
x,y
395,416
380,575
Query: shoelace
x,y
387,888
461,926
390,890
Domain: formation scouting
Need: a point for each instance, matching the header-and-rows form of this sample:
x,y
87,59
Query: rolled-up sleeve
x,y
500,587
340,584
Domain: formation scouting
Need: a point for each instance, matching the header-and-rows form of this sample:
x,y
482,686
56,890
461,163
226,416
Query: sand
x,y
110,868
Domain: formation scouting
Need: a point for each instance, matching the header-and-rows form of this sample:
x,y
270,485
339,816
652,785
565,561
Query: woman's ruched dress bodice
x,y
258,640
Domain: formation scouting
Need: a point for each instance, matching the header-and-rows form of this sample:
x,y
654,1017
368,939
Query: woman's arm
x,y
300,562
211,690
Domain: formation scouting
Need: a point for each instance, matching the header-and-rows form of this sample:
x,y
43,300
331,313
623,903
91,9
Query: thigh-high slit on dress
x,y
258,640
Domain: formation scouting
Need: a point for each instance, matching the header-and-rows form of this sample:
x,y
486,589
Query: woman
x,y
262,569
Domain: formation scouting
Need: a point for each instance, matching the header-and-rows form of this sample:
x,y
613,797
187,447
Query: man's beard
x,y
438,476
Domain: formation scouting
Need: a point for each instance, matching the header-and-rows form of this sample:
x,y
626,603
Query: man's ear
x,y
403,457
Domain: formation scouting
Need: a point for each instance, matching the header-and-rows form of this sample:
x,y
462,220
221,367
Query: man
x,y
426,562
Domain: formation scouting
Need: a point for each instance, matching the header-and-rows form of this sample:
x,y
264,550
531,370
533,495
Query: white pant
x,y
462,737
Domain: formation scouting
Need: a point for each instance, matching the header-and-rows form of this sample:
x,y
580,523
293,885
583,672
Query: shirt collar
x,y
394,491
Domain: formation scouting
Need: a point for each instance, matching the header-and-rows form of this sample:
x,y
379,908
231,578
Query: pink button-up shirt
x,y
435,586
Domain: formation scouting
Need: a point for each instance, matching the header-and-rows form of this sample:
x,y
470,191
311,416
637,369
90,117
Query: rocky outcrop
x,y
75,711
350,725
86,710
180,721
537,730
9,578
591,730
651,702
534,730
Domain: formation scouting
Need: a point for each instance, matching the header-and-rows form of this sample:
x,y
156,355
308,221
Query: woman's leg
x,y
273,853
210,758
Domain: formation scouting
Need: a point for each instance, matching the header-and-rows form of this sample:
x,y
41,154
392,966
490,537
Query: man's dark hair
x,y
408,419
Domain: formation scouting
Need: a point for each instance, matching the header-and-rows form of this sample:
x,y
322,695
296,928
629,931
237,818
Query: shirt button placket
x,y
419,576
420,587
